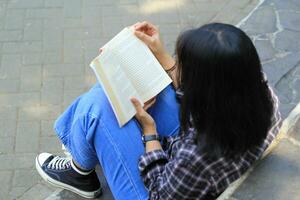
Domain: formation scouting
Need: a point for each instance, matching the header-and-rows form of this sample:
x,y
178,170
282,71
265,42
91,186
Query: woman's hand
x,y
149,34
145,120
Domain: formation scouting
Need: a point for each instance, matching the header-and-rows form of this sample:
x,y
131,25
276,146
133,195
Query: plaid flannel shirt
x,y
181,171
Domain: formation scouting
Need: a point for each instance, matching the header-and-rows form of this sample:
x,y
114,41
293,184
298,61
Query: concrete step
x,y
277,175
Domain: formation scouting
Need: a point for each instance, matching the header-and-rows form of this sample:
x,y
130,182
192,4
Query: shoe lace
x,y
59,163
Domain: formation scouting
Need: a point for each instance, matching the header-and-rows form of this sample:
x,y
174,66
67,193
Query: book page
x,y
140,65
116,85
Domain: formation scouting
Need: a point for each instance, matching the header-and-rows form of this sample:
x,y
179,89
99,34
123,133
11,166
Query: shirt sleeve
x,y
171,179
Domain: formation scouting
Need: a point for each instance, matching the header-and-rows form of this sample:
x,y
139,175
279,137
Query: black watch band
x,y
147,138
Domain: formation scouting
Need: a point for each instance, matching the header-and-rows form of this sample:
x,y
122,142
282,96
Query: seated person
x,y
213,123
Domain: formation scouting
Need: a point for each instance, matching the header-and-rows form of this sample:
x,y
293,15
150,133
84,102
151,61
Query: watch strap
x,y
147,138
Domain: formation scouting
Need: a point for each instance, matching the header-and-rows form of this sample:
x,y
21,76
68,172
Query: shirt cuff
x,y
151,157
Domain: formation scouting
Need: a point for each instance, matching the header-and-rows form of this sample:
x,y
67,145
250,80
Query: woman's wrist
x,y
149,130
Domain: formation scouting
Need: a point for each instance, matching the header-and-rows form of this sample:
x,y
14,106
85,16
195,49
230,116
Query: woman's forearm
x,y
167,63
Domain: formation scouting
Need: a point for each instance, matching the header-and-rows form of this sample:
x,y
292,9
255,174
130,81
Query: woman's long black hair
x,y
225,92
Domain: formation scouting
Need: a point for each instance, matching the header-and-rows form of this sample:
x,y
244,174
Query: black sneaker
x,y
61,172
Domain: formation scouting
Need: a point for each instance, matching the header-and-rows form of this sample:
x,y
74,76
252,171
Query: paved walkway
x,y
45,48
275,30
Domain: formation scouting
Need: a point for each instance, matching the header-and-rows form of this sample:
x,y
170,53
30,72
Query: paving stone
x,y
27,138
8,128
290,20
31,78
33,29
75,34
71,95
91,16
277,177
7,144
16,192
288,41
10,66
53,3
5,183
50,144
296,86
8,85
32,59
72,23
265,49
53,34
52,91
63,70
3,7
75,82
297,71
72,8
8,113
47,128
38,191
284,5
14,19
228,17
263,20
35,113
17,161
24,4
115,24
52,45
52,57
25,178
21,47
44,13
73,51
93,45
98,3
10,35
20,99
285,90
276,69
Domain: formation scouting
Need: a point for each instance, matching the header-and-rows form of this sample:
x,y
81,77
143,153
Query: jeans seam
x,y
120,158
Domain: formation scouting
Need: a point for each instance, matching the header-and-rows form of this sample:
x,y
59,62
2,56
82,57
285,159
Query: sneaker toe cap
x,y
41,158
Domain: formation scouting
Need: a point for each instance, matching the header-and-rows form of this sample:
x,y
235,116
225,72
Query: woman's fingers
x,y
137,105
143,117
145,38
144,25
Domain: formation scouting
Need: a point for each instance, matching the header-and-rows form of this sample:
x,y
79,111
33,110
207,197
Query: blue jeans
x,y
90,132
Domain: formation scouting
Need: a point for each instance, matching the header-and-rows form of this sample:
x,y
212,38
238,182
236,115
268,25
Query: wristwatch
x,y
150,137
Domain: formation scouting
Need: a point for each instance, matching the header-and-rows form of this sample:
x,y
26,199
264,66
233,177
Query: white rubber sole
x,y
48,179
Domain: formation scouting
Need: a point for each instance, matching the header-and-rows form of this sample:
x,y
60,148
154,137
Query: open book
x,y
127,68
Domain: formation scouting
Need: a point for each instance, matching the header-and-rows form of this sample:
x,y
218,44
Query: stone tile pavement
x,y
275,30
45,49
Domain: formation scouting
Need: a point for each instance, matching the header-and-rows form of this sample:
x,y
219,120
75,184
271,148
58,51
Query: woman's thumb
x,y
137,104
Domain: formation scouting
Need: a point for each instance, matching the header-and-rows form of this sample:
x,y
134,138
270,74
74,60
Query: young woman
x,y
196,141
